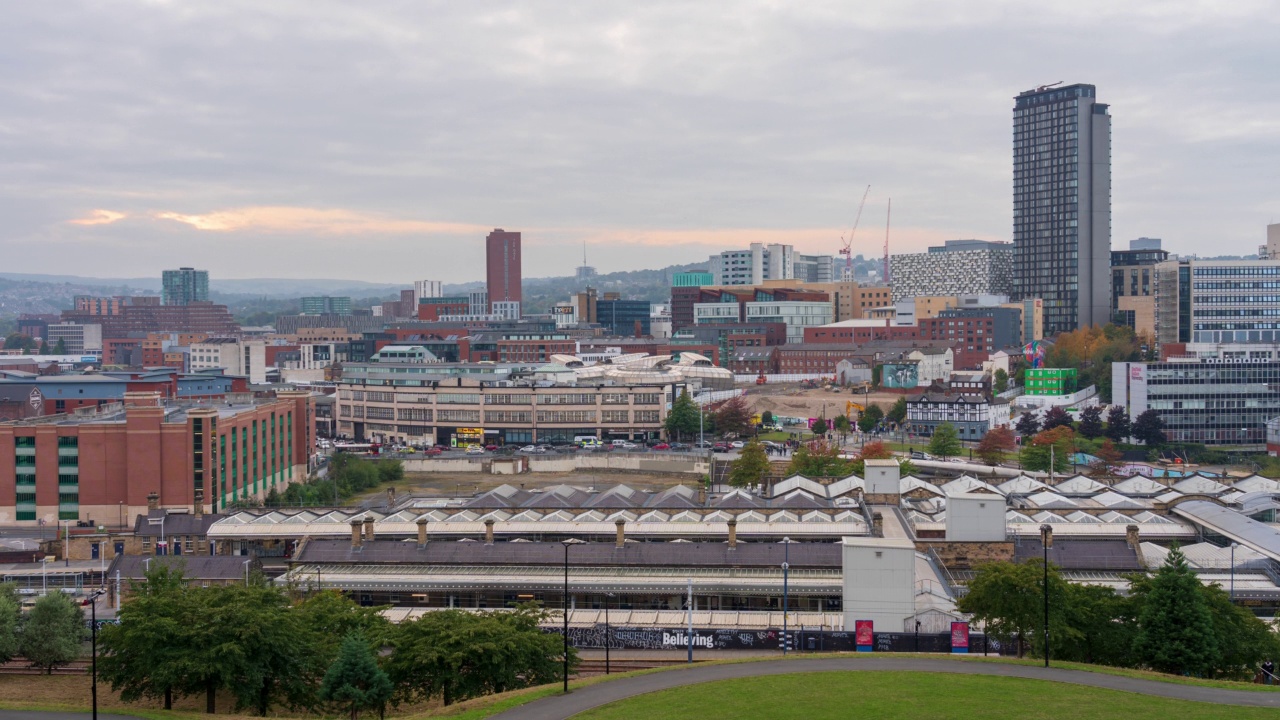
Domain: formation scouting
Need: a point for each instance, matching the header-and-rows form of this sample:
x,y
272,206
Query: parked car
x,y
679,446
720,447
475,450
491,447
736,444
432,451
704,444
917,455
662,446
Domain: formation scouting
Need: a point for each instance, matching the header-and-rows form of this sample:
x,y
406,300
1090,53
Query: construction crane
x,y
888,213
847,249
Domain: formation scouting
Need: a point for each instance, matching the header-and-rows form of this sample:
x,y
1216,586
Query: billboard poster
x,y
864,635
900,375
959,637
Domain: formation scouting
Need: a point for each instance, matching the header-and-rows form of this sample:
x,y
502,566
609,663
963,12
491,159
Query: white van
x,y
587,440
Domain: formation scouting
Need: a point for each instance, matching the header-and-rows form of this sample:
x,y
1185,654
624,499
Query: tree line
x,y
48,636
1169,622
269,649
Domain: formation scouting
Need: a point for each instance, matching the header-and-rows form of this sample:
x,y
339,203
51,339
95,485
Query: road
x,y
559,707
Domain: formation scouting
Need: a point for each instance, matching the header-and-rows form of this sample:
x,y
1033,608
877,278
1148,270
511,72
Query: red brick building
x,y
502,266
196,317
856,335
102,468
811,357
972,338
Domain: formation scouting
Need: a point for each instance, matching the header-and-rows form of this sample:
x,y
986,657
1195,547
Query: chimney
x,y
622,533
1131,537
368,528
199,506
488,531
1046,536
422,531
733,533
153,500
391,496
355,534
877,525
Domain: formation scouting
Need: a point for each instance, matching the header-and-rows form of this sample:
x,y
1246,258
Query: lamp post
x,y
786,568
608,637
565,603
1233,571
246,571
1046,539
93,629
44,576
917,636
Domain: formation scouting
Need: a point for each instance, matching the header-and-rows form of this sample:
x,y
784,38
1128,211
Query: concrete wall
x,y
879,581
973,517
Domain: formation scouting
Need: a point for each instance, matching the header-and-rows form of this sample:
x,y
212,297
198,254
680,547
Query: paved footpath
x,y
559,707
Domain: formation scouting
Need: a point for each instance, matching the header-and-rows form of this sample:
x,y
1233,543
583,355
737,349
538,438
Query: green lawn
x,y
906,695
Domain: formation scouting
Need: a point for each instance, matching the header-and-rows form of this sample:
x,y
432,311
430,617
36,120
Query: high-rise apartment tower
x,y
502,266
1062,204
185,286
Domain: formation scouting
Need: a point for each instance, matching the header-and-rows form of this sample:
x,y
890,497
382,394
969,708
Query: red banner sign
x,y
864,633
959,637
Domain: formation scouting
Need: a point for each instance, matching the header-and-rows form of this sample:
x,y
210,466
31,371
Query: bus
x,y
365,449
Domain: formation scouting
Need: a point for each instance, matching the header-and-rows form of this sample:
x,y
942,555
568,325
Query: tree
x,y
751,465
456,655
60,348
995,444
945,442
1244,641
52,633
1117,424
999,381
766,418
1056,417
898,413
819,426
1009,599
354,679
1104,626
1091,422
44,347
10,614
1054,445
141,653
1107,455
842,424
1175,627
876,450
18,341
871,418
1148,428
733,416
684,416
1027,425
326,618
819,459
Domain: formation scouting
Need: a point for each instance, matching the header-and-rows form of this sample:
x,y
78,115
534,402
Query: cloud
x,y
314,220
99,217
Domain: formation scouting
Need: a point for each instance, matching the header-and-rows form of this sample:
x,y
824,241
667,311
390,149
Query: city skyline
x,y
324,140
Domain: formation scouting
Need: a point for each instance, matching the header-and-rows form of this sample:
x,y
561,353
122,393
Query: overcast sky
x,y
382,140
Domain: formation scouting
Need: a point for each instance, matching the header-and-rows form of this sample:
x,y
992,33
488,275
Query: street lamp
x,y
1233,571
565,603
607,635
786,567
1046,540
93,624
246,571
917,636
44,576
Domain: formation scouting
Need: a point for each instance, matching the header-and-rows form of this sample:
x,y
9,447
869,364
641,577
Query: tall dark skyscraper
x,y
502,266
1062,204
185,286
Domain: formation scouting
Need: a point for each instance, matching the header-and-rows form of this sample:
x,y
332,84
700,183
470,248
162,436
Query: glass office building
x,y
1062,205
1210,401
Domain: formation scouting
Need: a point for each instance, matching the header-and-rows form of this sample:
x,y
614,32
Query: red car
x,y
491,448
662,446
432,451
